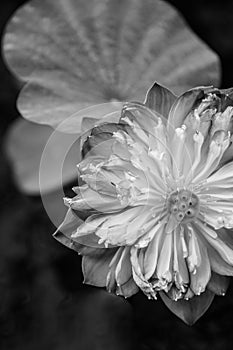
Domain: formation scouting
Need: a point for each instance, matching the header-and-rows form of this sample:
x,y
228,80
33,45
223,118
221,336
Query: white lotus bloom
x,y
158,197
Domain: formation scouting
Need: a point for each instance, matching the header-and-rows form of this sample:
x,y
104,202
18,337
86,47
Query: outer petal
x,y
110,268
92,52
217,263
218,284
70,223
219,245
160,99
120,270
202,276
96,268
128,289
86,244
189,310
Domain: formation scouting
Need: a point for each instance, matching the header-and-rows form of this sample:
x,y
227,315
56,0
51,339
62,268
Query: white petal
x,y
138,276
222,178
152,250
202,275
181,274
211,236
164,265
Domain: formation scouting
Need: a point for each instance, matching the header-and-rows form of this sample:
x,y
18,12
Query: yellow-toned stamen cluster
x,y
183,205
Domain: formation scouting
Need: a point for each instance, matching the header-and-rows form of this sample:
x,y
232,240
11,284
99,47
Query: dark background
x,y
43,304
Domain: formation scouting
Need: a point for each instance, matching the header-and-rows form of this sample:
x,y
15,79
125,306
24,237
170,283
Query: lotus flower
x,y
144,217
157,192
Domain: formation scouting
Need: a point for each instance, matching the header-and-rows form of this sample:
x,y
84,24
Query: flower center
x,y
183,204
